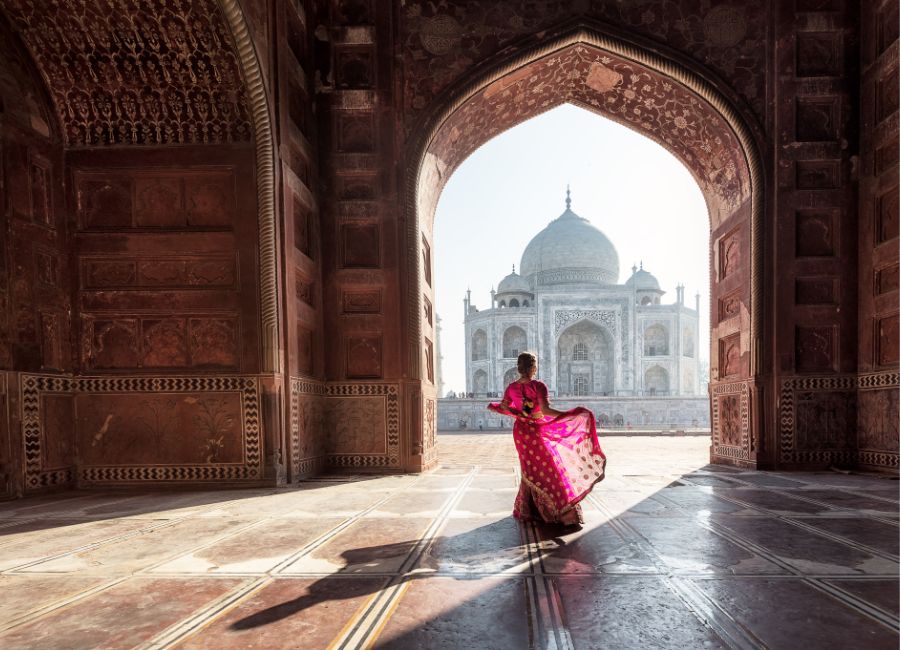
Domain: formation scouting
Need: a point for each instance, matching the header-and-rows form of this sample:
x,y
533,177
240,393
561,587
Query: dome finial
x,y
633,269
568,198
642,265
514,269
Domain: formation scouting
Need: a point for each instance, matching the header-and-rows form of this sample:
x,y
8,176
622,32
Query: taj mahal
x,y
595,337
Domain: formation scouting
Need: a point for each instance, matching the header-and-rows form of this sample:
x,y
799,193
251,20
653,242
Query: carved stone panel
x,y
52,340
729,254
158,202
104,203
356,133
164,343
146,429
302,227
364,357
816,119
214,342
41,197
729,305
815,348
815,291
825,420
303,289
360,244
887,215
815,233
210,200
887,279
879,426
818,174
356,425
112,343
355,68
305,350
361,301
819,54
730,420
730,356
887,340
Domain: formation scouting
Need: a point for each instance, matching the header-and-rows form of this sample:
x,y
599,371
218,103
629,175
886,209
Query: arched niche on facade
x,y
656,381
479,345
510,376
479,382
656,340
585,358
515,341
659,94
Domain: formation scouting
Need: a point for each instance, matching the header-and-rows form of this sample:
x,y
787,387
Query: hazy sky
x,y
641,197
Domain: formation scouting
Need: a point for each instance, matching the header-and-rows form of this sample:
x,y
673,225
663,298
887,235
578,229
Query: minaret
x,y
493,300
697,302
439,375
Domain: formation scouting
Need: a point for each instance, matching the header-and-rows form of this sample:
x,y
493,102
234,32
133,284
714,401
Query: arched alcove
x,y
515,341
585,360
659,96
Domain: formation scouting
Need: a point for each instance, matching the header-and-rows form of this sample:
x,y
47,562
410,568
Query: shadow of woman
x,y
499,546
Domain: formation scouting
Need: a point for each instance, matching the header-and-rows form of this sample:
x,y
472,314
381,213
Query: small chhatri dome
x,y
513,283
642,280
571,249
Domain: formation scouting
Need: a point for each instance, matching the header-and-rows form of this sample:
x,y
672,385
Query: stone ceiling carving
x,y
137,72
619,89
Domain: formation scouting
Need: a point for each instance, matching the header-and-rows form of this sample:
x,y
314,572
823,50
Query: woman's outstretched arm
x,y
546,409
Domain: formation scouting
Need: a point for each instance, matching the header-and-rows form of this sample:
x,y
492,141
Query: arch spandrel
x,y
623,90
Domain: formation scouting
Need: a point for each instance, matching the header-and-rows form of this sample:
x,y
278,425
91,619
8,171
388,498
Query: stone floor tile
x,y
256,550
883,594
378,545
699,501
120,617
61,536
685,545
597,548
846,500
779,503
477,546
870,532
23,593
805,550
440,612
140,551
486,502
287,613
786,614
421,504
630,612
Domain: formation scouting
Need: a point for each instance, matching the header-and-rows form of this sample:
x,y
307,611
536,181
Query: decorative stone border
x,y
787,418
741,388
302,467
391,394
33,386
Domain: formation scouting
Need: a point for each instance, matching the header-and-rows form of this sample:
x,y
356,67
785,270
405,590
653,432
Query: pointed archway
x,y
670,103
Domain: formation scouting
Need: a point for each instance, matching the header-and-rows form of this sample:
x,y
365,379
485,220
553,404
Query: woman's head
x,y
526,364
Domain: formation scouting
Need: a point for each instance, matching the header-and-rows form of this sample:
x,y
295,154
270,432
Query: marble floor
x,y
674,554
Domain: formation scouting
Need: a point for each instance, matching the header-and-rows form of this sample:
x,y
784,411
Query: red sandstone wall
x,y
879,236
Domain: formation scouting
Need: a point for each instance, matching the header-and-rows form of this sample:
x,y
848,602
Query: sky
x,y
642,198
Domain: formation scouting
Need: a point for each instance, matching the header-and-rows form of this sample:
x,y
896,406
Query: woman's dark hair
x,y
525,362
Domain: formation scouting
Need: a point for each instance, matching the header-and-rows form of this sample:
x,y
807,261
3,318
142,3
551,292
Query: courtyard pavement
x,y
674,554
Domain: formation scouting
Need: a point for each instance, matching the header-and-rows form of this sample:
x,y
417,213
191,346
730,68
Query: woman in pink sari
x,y
559,452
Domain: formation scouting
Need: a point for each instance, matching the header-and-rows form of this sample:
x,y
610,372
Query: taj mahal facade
x,y
615,347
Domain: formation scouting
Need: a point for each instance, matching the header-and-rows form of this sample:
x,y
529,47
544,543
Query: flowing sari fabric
x,y
560,456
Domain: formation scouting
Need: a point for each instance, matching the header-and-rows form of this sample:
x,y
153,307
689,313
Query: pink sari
x,y
560,456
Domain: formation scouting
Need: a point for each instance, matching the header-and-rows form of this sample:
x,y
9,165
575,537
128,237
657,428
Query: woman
x,y
559,452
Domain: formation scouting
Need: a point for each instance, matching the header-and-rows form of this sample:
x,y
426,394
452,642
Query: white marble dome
x,y
514,283
642,280
570,249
